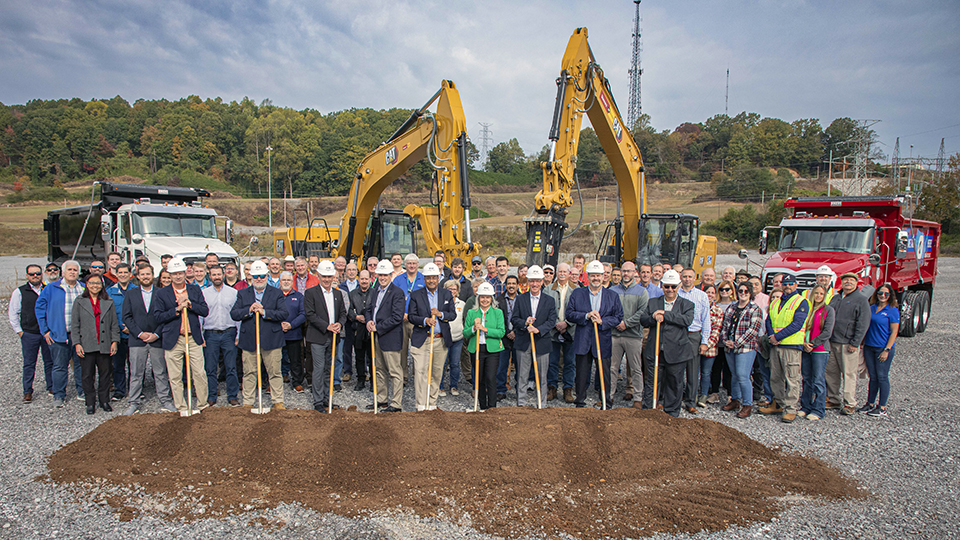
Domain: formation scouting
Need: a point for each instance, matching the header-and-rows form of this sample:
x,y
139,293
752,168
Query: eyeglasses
x,y
883,293
260,276
743,291
34,273
665,286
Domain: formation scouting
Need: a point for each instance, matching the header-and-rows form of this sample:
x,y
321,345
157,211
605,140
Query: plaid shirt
x,y
745,333
716,322
70,297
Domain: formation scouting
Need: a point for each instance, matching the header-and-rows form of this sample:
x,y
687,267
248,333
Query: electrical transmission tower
x,y
940,162
726,97
634,111
486,137
895,165
862,154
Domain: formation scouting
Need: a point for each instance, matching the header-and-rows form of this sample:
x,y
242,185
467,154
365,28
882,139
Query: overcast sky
x,y
895,61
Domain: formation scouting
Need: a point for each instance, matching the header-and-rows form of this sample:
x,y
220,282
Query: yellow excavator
x,y
635,234
366,229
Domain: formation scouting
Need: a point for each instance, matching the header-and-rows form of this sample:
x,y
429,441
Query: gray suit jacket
x,y
83,326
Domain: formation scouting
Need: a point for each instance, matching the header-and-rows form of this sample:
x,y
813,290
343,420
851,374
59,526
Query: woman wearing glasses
x,y
720,376
879,347
96,333
816,350
742,322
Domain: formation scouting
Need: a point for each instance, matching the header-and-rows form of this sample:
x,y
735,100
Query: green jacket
x,y
496,329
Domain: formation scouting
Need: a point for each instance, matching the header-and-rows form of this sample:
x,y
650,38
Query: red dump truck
x,y
872,237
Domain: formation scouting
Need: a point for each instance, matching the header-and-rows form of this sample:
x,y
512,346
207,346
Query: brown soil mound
x,y
506,471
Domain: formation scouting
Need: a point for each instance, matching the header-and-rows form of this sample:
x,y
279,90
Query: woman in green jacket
x,y
484,324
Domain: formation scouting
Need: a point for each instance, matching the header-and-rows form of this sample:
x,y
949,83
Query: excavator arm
x,y
582,89
441,137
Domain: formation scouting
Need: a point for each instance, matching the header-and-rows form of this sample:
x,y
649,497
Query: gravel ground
x,y
909,461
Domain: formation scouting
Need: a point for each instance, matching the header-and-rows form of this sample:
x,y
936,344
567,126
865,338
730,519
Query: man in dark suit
x,y
326,314
166,309
586,306
675,315
359,298
507,302
431,310
384,316
269,302
144,343
535,314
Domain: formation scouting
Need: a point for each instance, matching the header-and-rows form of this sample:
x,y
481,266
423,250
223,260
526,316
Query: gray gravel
x,y
909,461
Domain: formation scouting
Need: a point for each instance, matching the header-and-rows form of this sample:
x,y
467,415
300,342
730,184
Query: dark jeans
x,y
453,363
62,354
564,348
504,367
120,368
721,375
361,353
879,374
96,364
30,346
813,398
217,343
489,363
293,355
348,352
693,372
585,363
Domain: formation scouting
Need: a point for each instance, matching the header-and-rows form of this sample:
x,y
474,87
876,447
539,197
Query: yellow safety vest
x,y
781,319
809,293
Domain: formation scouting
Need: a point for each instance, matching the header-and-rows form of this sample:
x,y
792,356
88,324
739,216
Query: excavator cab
x,y
390,231
668,238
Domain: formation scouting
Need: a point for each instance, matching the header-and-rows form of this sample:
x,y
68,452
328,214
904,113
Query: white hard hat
x,y
176,264
824,271
384,267
326,268
289,258
670,277
595,267
431,269
258,268
485,289
535,272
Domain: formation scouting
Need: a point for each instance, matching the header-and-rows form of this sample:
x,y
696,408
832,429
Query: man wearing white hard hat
x,y
407,282
326,313
384,316
675,315
166,309
825,278
271,305
535,313
588,305
431,310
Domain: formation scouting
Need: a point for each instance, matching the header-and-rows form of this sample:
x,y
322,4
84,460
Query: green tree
x,y
506,157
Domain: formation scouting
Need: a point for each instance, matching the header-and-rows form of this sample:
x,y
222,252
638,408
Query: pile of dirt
x,y
508,471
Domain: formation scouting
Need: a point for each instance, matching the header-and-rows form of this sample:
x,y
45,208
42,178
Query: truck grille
x,y
804,281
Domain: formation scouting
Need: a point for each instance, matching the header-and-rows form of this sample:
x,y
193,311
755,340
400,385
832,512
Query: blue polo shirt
x,y
879,331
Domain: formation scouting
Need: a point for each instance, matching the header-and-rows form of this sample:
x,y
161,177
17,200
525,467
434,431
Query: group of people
x,y
320,321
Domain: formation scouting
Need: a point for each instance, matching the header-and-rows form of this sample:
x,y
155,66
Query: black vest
x,y
28,316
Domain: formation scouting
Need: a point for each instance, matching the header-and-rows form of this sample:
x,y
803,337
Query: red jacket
x,y
312,281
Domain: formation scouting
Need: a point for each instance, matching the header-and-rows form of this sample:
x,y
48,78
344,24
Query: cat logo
x,y
617,129
391,155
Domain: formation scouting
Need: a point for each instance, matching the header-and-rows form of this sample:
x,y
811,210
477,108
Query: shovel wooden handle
x,y
603,386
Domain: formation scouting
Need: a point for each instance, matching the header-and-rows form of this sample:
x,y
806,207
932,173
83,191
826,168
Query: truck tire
x,y
909,313
924,302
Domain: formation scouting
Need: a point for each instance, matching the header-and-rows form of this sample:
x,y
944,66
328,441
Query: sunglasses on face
x,y
674,287
883,293
743,291
96,266
261,276
34,273
725,289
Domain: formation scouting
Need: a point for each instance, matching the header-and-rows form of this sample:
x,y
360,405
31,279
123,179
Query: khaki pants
x,y
405,348
632,348
785,377
271,361
175,362
421,366
388,365
841,374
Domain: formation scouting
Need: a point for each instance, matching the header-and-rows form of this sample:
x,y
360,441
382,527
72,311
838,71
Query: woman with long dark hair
x,y
706,360
96,333
879,347
742,322
164,279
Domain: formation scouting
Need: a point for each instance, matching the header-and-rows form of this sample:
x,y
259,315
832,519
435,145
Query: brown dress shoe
x,y
234,402
551,393
298,389
832,405
628,396
732,405
659,406
788,418
568,395
773,408
637,405
691,410
744,411
28,397
279,407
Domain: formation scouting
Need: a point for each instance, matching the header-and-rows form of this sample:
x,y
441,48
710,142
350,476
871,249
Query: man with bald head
x,y
707,278
728,274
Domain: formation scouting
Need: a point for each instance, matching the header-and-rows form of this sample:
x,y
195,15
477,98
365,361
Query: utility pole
x,y
940,162
726,97
486,138
830,174
634,111
895,165
269,189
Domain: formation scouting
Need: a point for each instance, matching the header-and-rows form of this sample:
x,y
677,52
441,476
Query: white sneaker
x,y
801,414
443,393
812,417
454,391
81,398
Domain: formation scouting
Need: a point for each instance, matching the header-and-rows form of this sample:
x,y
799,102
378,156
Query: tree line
x,y
52,142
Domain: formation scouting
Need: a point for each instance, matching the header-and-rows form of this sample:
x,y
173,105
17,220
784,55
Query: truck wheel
x,y
924,302
908,315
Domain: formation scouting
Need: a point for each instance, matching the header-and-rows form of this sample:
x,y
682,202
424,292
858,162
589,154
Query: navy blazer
x,y
164,310
419,312
546,320
136,317
674,341
295,316
389,318
611,313
275,312
315,309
